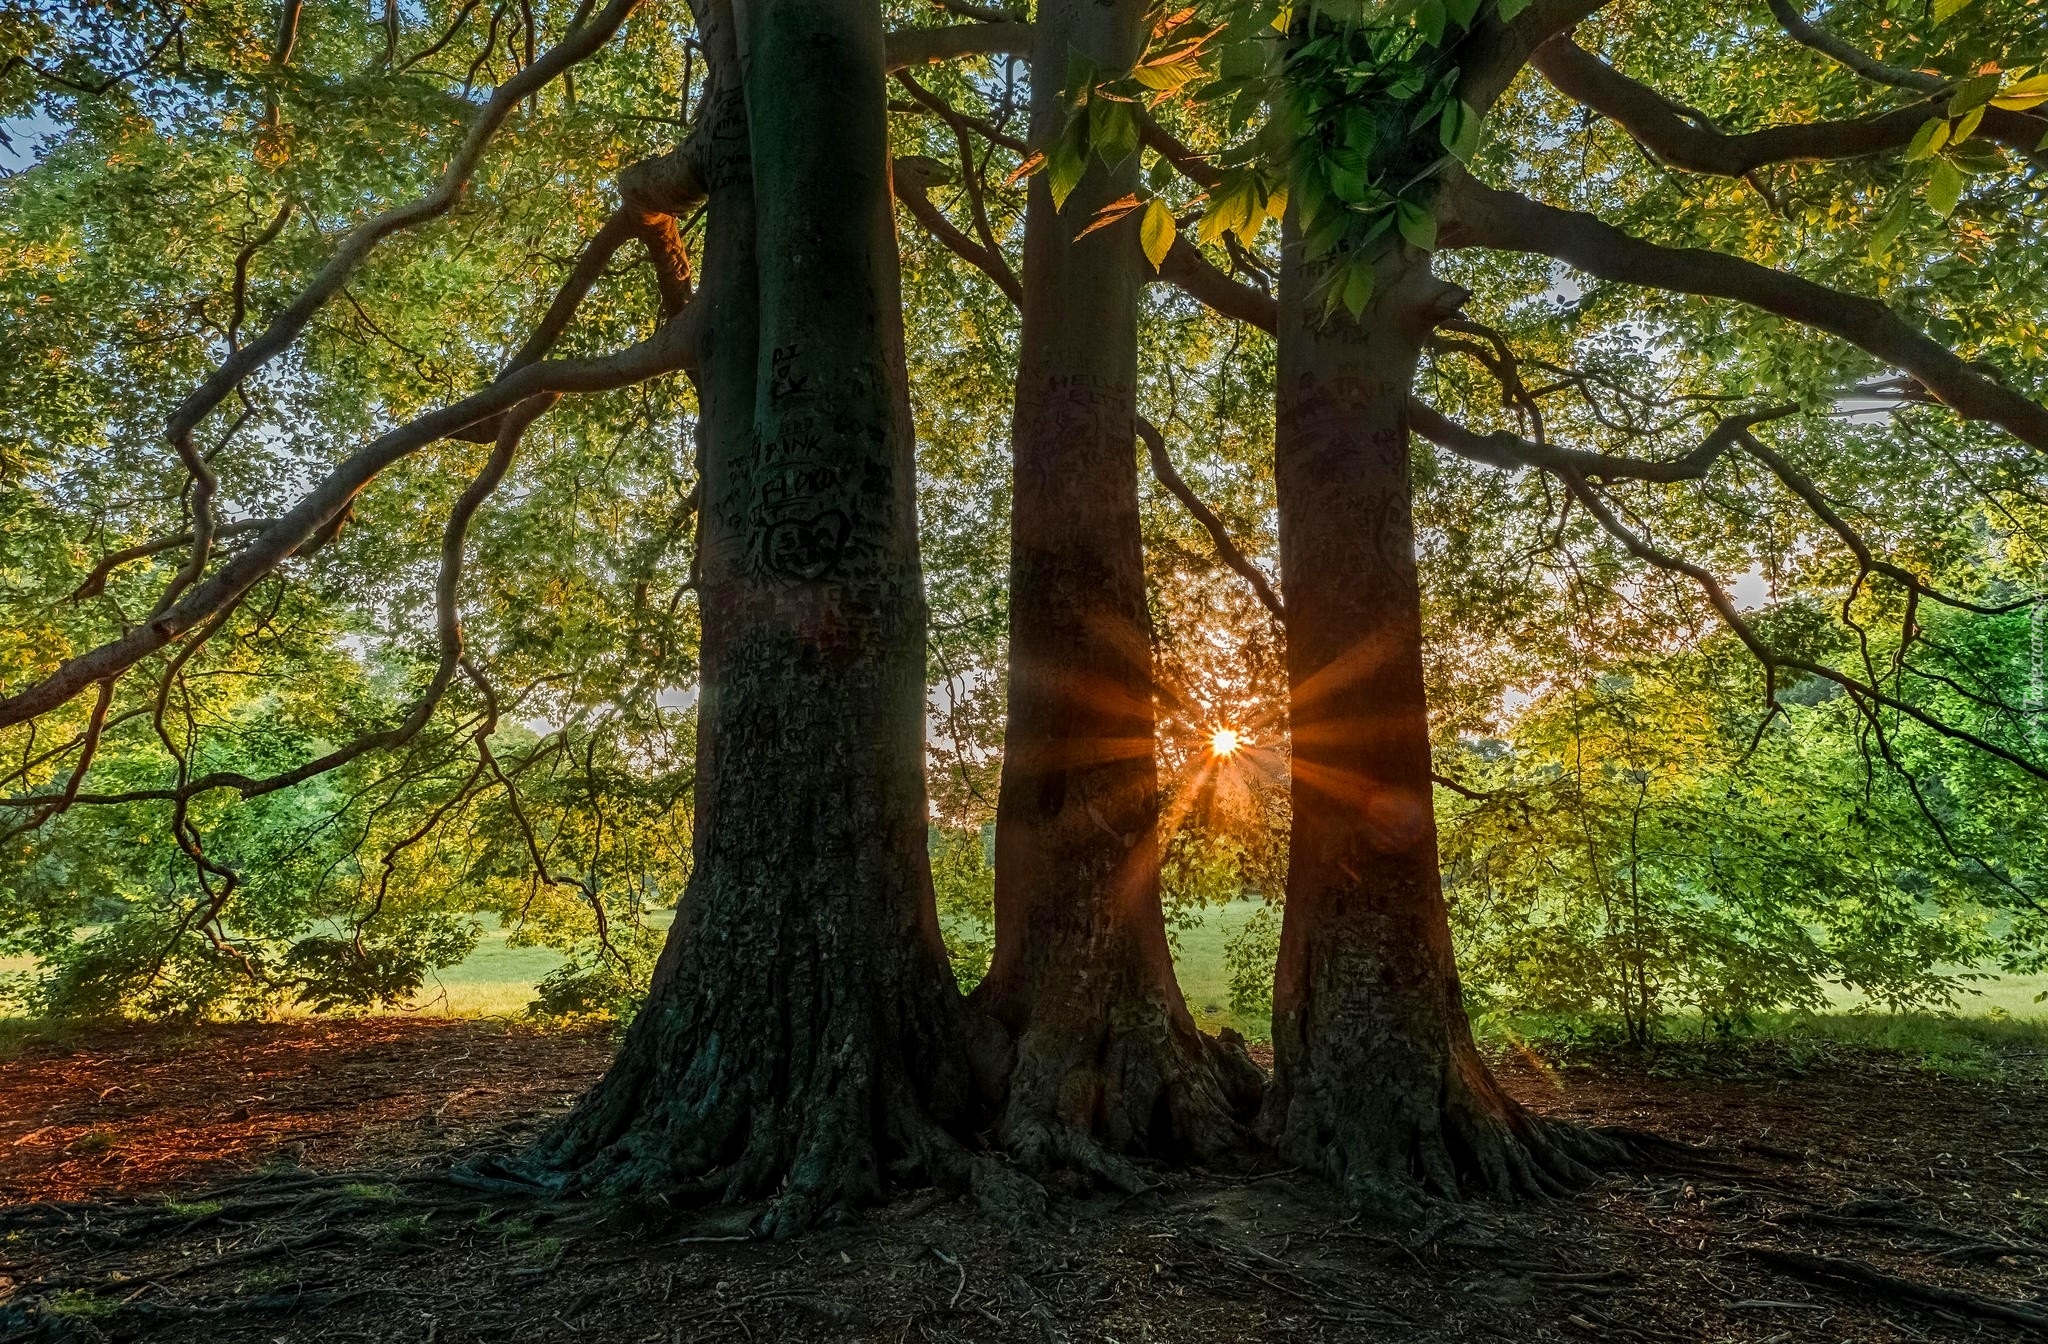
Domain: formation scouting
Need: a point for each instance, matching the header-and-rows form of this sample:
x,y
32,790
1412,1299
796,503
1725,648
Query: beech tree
x,y
1081,973
1651,274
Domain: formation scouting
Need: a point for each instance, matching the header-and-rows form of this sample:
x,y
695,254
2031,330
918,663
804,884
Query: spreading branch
x,y
1679,140
290,534
284,329
1480,216
1848,54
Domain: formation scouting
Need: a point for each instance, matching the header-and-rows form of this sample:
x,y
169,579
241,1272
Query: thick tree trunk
x,y
1107,1059
802,1037
1376,1080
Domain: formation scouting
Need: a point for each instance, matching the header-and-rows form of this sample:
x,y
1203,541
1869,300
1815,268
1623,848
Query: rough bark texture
x,y
1108,1060
1376,1082
802,1037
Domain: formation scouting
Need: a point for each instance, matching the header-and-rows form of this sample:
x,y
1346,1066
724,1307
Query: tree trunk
x,y
1108,1060
802,1036
1377,1083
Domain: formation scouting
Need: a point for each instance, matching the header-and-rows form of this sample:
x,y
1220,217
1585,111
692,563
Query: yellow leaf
x,y
1156,232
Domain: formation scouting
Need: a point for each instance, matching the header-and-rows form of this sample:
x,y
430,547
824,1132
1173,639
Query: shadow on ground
x,y
290,1182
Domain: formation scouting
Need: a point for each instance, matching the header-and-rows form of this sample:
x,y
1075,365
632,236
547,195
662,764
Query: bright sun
x,y
1223,742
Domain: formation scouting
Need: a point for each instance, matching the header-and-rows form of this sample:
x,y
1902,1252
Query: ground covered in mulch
x,y
292,1182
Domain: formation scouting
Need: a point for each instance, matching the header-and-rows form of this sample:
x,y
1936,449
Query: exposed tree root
x,y
1398,1132
1835,1270
1138,1083
817,1094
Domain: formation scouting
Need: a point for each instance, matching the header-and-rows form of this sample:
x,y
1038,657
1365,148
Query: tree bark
x,y
1108,1060
802,1036
1377,1084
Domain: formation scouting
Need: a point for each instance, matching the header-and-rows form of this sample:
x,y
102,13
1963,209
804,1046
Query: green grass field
x,y
497,980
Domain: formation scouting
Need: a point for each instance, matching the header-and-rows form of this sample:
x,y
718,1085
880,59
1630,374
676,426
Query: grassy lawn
x,y
497,980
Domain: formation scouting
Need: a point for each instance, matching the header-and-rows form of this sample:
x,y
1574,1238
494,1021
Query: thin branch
x,y
1850,55
95,583
1163,468
1800,485
1502,449
1724,607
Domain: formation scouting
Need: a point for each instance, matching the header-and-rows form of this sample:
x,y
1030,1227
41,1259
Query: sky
x,y
24,140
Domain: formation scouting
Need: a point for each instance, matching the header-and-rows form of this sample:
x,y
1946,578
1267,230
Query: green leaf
x,y
1460,129
1926,141
1510,8
1944,187
1972,94
1463,11
1113,130
1417,223
1944,10
1978,156
1966,125
1430,18
1156,232
1243,60
2023,94
1359,134
1346,184
1357,288
1063,170
1886,230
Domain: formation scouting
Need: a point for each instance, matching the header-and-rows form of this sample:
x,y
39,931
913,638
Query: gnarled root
x,y
817,1096
1139,1083
1398,1132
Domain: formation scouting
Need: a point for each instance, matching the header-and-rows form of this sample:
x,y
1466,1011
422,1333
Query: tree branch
x,y
667,350
907,47
448,636
1724,607
286,326
913,177
95,583
1202,280
1494,52
1660,127
1849,55
1479,216
1163,468
1502,449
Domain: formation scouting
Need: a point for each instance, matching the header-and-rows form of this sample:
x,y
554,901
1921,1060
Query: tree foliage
x,y
1755,312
